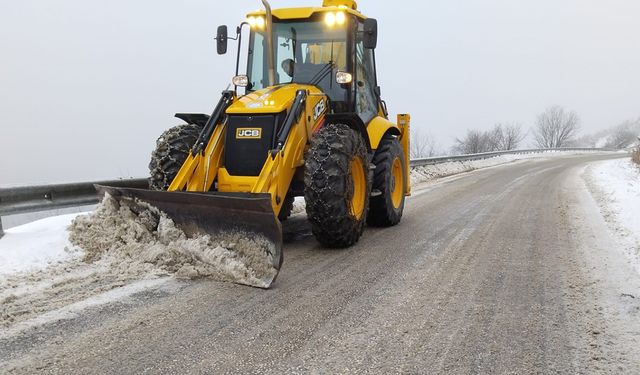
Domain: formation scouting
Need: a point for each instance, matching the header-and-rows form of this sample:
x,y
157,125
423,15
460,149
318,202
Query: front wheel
x,y
172,149
337,185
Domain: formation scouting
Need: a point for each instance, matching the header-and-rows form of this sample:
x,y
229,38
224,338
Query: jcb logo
x,y
319,109
249,133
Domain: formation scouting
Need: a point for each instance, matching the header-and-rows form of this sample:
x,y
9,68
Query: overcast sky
x,y
86,86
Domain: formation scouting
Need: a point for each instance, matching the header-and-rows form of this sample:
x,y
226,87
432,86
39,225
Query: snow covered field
x,y
36,245
615,185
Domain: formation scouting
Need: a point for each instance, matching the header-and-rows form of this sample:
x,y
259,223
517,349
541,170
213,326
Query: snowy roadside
x,y
430,172
36,246
615,186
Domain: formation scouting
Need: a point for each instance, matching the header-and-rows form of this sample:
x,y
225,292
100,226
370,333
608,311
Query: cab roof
x,y
347,6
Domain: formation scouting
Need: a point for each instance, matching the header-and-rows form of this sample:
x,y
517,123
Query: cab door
x,y
365,80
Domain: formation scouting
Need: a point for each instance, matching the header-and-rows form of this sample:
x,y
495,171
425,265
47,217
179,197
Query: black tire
x,y
172,149
382,212
287,207
329,187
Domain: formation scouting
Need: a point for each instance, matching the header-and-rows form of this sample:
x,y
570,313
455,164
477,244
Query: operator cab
x,y
331,47
306,52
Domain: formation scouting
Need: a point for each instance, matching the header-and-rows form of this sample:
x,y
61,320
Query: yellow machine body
x,y
199,171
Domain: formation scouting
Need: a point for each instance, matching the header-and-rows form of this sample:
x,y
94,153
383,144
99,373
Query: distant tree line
x,y
624,135
620,136
555,127
502,137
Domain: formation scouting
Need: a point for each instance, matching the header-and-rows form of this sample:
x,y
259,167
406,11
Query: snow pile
x,y
49,274
138,239
429,172
615,185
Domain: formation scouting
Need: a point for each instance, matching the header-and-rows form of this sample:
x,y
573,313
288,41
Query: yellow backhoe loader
x,y
306,119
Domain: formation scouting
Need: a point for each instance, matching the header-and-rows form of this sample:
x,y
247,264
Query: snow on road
x,y
615,186
43,278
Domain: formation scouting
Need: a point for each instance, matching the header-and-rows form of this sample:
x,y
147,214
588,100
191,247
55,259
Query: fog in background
x,y
87,86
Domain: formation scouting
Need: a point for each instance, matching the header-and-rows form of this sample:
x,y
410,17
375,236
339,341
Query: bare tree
x,y
422,145
512,136
619,136
556,127
623,135
473,143
500,138
495,139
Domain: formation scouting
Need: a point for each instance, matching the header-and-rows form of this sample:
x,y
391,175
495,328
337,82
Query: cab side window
x,y
365,84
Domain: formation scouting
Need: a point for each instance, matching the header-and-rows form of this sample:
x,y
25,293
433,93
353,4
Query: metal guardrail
x,y
19,200
25,199
488,155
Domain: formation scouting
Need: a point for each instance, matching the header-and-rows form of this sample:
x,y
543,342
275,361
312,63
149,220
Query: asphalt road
x,y
478,278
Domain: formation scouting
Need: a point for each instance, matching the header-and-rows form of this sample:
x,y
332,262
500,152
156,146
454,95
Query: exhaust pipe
x,y
271,59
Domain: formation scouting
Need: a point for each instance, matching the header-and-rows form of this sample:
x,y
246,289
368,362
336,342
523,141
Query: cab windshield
x,y
305,52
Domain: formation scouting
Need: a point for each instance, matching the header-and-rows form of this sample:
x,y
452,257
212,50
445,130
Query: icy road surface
x,y
510,269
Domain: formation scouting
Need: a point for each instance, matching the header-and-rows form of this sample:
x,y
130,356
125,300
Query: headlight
x,y
330,19
240,81
256,22
335,18
343,77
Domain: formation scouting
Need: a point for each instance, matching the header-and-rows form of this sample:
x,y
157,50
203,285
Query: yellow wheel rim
x,y
359,181
397,183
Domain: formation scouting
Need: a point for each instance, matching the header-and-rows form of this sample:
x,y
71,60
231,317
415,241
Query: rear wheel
x,y
389,179
172,149
337,185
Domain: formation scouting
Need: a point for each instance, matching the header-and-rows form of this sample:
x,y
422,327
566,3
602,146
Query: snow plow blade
x,y
214,214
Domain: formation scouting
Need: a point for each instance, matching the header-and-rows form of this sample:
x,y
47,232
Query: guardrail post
x,y
1,231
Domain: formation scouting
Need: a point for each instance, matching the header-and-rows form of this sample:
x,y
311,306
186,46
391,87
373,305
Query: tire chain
x,y
172,149
327,192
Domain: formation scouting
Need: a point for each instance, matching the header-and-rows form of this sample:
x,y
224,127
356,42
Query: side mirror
x,y
222,39
370,37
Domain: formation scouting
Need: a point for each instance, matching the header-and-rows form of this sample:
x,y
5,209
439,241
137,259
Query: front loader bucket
x,y
215,214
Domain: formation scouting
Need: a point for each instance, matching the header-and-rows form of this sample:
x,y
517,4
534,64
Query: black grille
x,y
244,153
